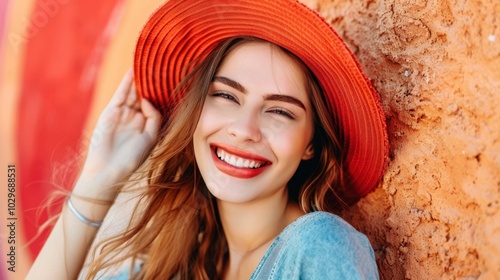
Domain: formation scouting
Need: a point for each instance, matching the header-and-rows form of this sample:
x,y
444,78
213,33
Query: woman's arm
x,y
120,142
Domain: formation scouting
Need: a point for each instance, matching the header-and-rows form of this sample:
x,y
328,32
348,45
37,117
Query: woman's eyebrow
x,y
271,97
285,98
231,83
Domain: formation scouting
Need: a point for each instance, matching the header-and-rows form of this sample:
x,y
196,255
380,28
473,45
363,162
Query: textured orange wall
x,y
436,65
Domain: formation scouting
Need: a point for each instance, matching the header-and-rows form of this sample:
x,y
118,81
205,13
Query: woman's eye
x,y
225,95
282,112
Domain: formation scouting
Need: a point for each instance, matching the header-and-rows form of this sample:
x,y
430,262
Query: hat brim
x,y
183,31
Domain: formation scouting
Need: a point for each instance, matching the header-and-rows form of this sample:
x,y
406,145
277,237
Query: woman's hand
x,y
122,139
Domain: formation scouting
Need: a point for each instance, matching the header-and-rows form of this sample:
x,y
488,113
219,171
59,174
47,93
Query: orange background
x,y
60,63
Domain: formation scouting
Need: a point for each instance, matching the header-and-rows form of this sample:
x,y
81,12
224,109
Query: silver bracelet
x,y
80,217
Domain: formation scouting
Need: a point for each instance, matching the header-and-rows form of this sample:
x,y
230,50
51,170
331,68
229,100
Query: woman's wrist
x,y
91,198
90,211
80,216
99,187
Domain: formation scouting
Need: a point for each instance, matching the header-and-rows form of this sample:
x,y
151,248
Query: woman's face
x,y
256,124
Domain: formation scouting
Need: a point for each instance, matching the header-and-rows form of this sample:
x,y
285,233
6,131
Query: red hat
x,y
183,31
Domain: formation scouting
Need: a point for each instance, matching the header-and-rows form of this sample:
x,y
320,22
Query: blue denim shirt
x,y
318,245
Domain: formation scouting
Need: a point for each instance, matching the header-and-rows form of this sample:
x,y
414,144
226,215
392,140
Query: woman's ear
x,y
308,153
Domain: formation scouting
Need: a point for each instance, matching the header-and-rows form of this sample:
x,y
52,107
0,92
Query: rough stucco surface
x,y
436,65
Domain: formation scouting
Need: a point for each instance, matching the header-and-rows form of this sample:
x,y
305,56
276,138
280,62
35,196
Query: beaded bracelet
x,y
80,217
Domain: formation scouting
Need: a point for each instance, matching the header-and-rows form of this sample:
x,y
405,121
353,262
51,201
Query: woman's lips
x,y
238,163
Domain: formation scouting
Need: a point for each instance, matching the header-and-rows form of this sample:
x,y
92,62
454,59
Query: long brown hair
x,y
176,232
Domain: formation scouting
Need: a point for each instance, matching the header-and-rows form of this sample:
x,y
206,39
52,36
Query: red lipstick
x,y
239,172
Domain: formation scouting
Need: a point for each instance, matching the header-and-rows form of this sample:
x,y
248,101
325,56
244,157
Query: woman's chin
x,y
229,193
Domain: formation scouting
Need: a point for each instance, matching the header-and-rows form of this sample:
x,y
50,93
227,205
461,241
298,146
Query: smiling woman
x,y
248,116
247,159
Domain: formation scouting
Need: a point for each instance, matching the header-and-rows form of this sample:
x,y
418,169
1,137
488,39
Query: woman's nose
x,y
245,128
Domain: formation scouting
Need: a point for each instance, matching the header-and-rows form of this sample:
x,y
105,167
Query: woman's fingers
x,y
153,118
123,91
127,102
126,129
132,100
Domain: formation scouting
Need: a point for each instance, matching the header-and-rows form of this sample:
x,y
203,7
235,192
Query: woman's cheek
x,y
285,136
276,125
214,116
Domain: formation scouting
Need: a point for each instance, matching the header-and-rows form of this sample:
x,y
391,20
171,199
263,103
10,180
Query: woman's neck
x,y
251,227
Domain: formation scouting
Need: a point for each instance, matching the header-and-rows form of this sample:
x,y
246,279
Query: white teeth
x,y
232,160
236,161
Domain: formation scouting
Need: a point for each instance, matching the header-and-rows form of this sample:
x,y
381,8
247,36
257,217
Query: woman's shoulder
x,y
322,227
321,221
326,233
319,245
